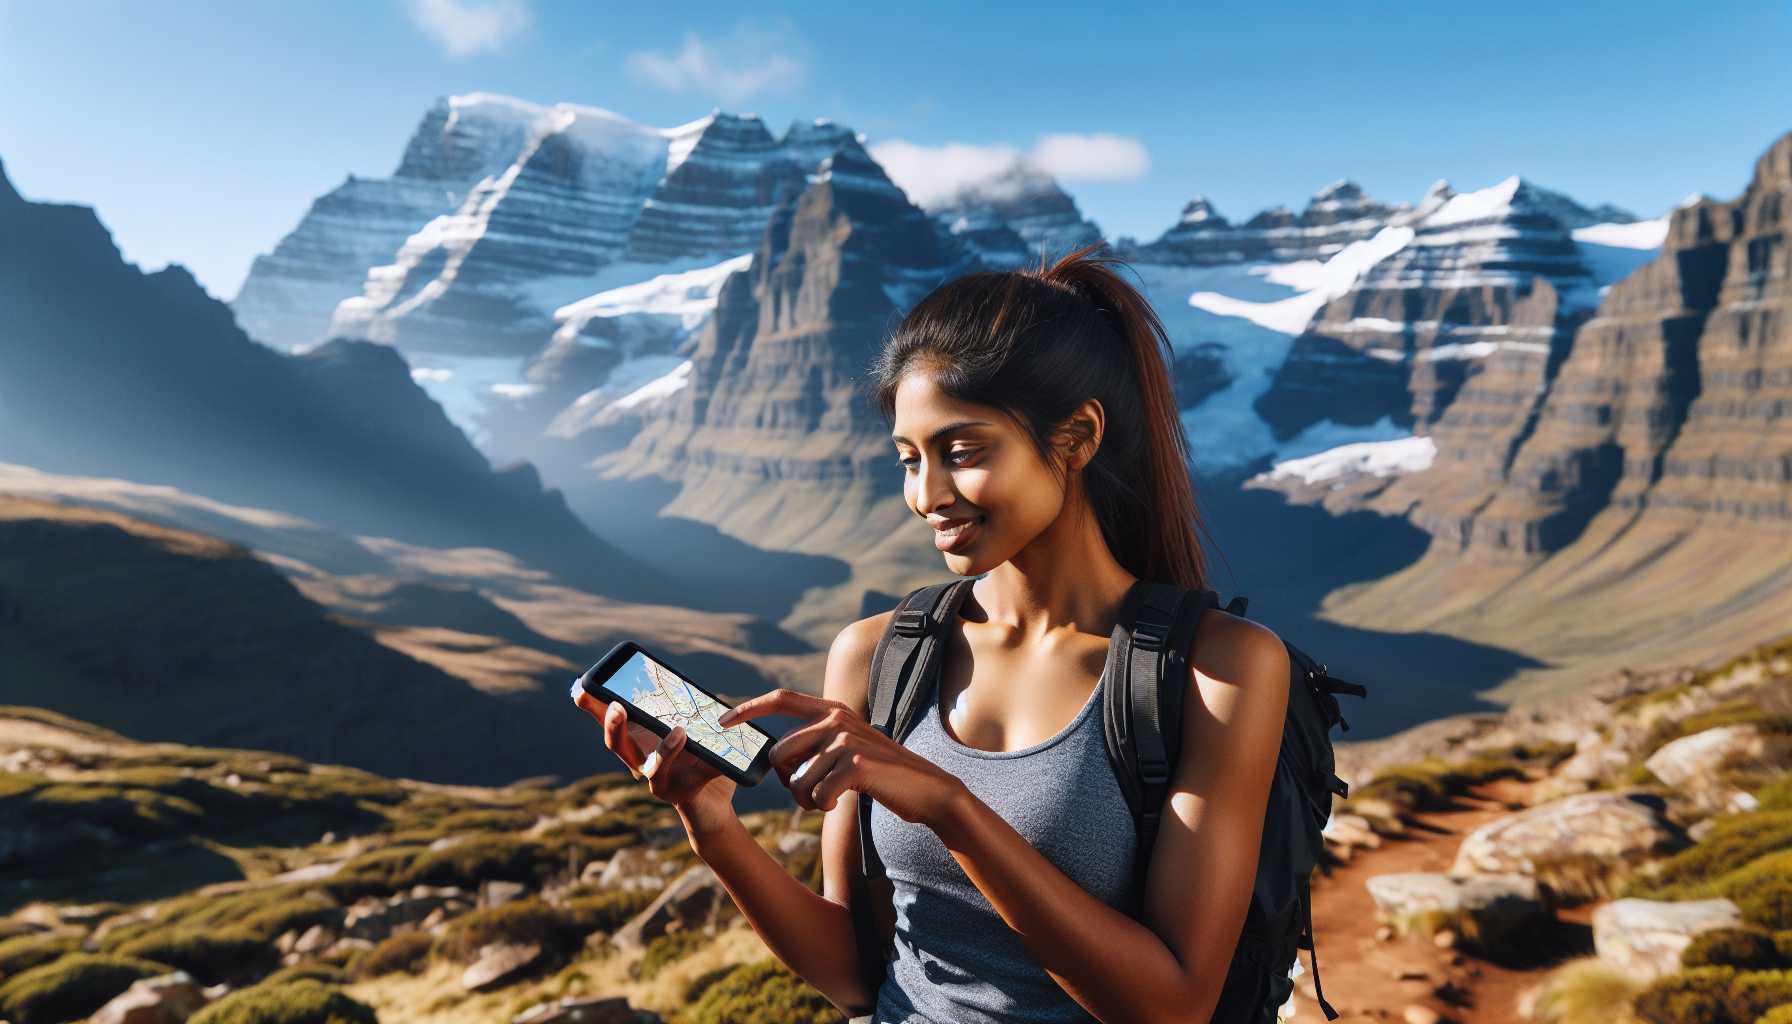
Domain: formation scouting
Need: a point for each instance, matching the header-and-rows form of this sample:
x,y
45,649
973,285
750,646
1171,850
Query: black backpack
x,y
1142,725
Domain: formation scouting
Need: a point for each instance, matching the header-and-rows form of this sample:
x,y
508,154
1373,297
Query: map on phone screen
x,y
662,693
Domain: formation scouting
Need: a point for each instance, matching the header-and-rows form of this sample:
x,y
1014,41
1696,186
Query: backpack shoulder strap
x,y
903,668
1152,642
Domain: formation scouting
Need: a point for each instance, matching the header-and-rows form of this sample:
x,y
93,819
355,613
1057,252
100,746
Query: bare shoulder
x,y
1236,650
849,661
1238,674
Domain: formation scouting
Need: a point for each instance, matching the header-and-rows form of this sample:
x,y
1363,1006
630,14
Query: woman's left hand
x,y
844,752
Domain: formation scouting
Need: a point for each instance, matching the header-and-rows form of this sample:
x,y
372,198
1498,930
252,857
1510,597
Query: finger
x,y
847,773
781,701
591,704
799,744
654,768
802,781
618,739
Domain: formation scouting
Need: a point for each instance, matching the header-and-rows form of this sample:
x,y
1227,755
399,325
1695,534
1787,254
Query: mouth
x,y
959,534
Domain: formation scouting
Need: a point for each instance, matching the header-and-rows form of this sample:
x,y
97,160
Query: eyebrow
x,y
947,429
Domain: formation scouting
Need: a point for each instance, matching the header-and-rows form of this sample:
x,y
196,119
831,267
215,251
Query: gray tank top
x,y
956,961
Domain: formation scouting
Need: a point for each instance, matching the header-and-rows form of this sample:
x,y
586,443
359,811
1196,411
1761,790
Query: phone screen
x,y
674,700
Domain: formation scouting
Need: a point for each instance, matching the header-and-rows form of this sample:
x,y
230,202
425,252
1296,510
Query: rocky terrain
x,y
1619,858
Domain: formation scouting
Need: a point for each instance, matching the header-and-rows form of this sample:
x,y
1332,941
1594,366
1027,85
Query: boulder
x,y
694,899
1495,909
631,868
792,842
164,999
1646,937
499,963
576,1010
1579,845
1694,760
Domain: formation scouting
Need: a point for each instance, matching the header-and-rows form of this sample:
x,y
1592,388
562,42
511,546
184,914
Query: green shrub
x,y
665,950
1692,996
329,974
378,872
1761,889
1743,710
405,950
12,928
1782,943
525,920
487,819
296,1002
209,955
1777,1015
1753,993
695,988
70,988
27,951
294,914
1775,795
476,859
609,910
1747,948
1734,841
763,992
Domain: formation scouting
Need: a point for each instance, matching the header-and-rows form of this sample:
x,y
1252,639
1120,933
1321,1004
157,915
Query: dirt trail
x,y
1362,976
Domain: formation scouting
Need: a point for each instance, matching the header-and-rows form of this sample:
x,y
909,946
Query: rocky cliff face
x,y
1014,218
768,434
107,371
590,191
1668,405
1337,215
288,297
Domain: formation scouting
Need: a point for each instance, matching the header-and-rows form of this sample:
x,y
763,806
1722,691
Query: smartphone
x,y
661,697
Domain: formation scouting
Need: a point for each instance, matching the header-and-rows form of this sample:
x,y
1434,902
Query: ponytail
x,y
1039,342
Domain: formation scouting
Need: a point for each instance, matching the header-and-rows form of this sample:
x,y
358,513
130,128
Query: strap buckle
x,y
1154,772
1150,634
912,622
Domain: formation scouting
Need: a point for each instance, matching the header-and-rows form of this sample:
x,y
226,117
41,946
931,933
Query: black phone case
x,y
593,681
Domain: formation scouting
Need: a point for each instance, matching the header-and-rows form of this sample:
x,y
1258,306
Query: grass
x,y
71,987
297,1002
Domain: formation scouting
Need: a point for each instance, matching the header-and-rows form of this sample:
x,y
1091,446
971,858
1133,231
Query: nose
x,y
932,484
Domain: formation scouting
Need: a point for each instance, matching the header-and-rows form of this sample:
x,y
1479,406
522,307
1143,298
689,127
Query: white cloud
x,y
465,27
750,63
933,175
1093,157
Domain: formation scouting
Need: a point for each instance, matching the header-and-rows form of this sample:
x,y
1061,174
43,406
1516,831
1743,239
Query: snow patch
x,y
1410,454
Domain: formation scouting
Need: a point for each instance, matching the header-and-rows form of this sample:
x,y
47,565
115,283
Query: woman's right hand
x,y
678,777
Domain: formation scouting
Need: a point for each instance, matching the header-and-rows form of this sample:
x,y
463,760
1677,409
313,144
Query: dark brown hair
x,y
1036,344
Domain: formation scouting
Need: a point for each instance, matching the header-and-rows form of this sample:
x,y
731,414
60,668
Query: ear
x,y
1081,434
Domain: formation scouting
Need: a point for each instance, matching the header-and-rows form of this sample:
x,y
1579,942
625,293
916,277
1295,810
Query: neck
x,y
1066,579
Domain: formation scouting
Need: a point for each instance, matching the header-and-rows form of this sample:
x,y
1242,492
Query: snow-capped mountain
x,y
1339,214
1015,217
290,293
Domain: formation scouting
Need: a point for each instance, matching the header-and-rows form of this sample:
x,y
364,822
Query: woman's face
x,y
969,467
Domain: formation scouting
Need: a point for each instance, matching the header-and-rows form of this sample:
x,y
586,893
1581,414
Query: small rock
x,y
1444,939
1646,937
498,964
1383,933
791,842
316,938
165,999
499,893
1417,1014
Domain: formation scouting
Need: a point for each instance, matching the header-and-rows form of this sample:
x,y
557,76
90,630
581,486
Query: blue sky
x,y
202,130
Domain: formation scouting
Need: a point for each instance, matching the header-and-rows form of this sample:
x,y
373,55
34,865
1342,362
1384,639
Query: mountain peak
x,y
9,196
1200,210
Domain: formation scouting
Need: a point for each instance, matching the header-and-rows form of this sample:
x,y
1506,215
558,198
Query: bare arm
x,y
812,934
1171,966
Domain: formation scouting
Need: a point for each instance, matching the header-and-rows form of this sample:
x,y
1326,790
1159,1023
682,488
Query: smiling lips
x,y
958,534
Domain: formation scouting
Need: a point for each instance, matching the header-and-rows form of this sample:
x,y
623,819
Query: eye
x,y
956,457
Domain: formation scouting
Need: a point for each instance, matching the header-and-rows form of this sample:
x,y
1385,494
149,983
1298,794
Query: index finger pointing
x,y
780,701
